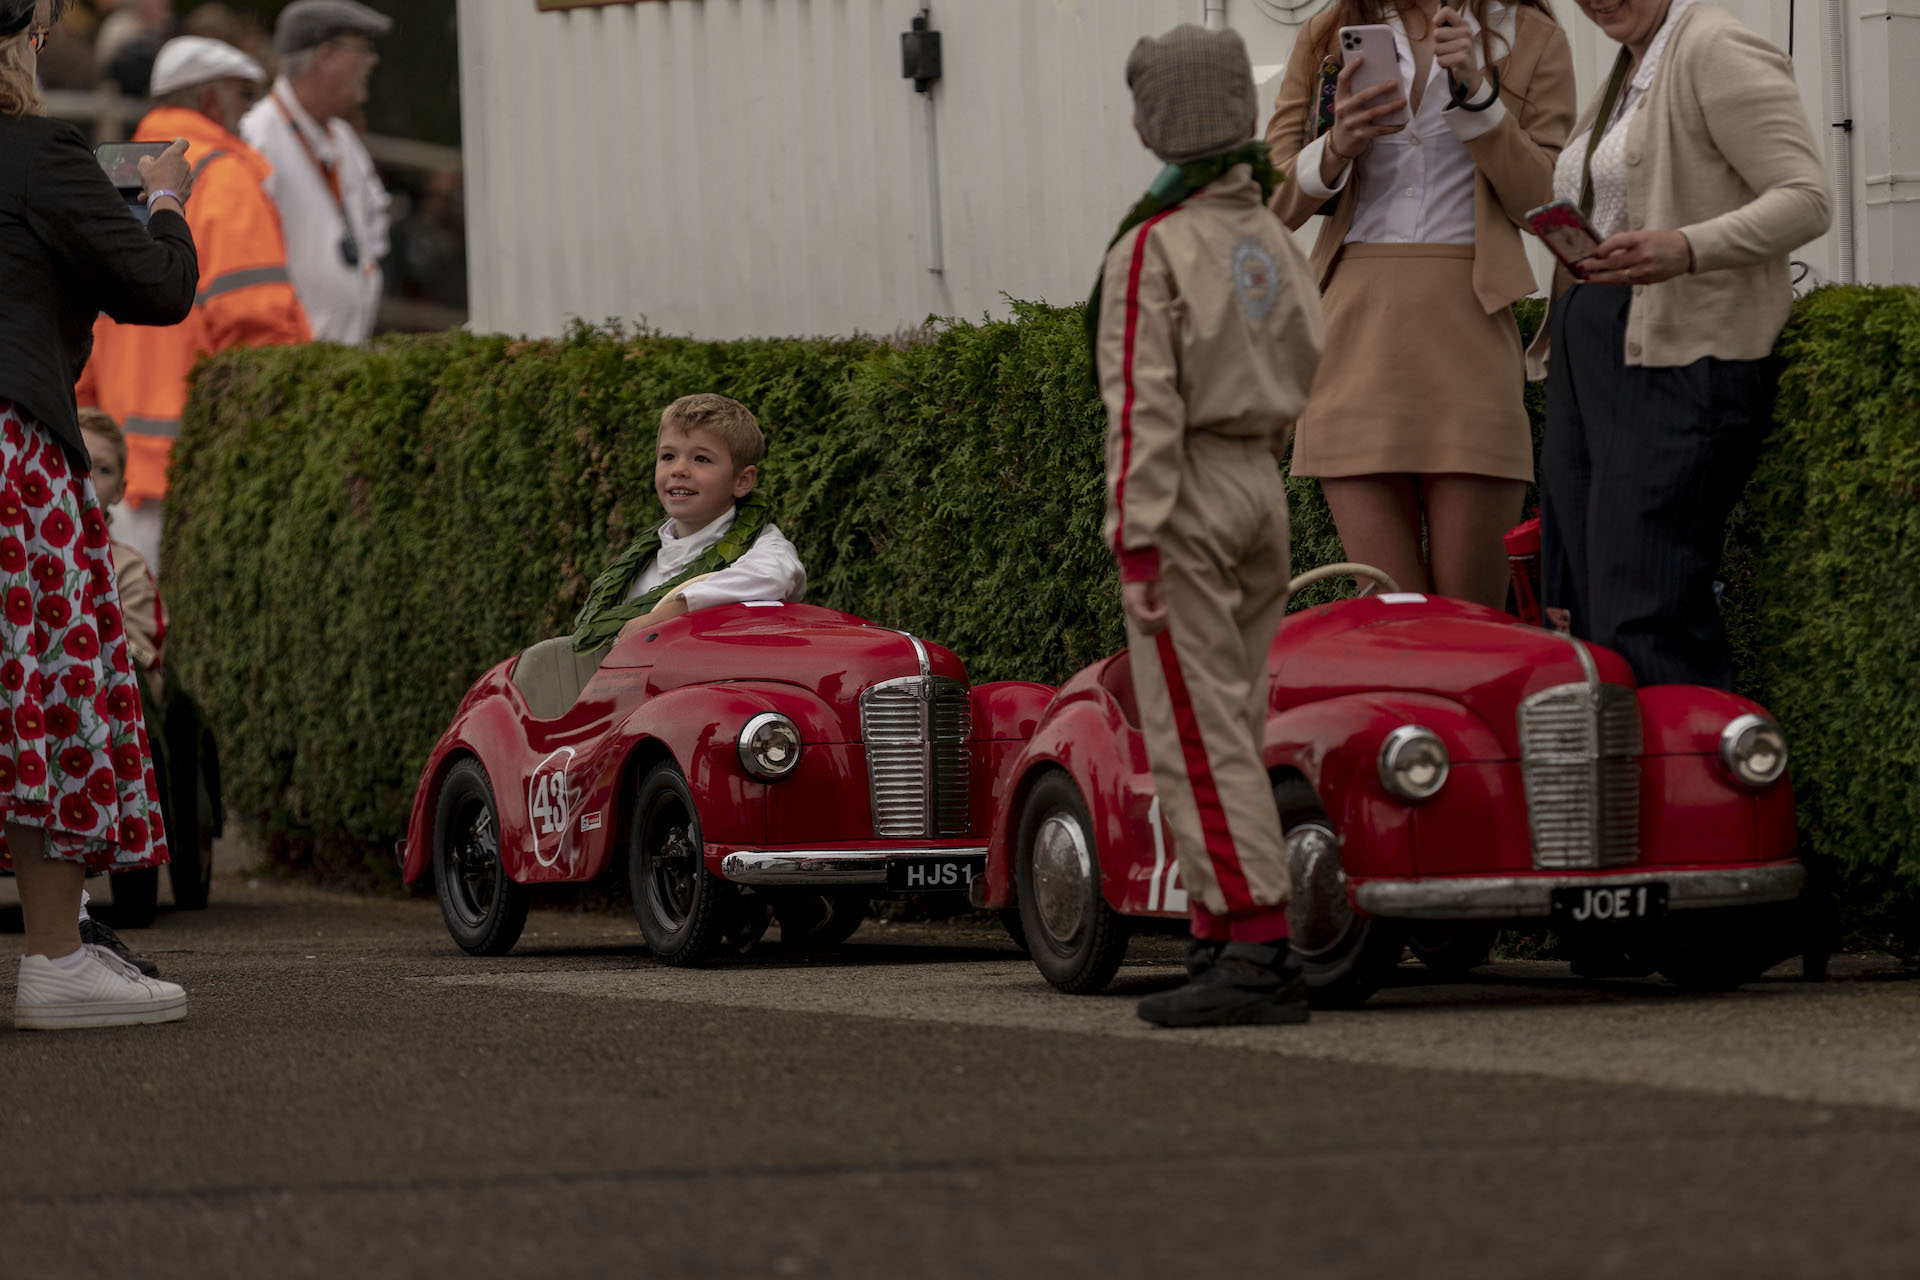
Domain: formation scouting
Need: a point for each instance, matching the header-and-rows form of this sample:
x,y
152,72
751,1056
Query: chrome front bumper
x,y
1529,897
824,866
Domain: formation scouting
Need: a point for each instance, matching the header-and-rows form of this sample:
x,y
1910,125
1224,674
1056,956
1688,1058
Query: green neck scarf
x,y
1175,183
607,608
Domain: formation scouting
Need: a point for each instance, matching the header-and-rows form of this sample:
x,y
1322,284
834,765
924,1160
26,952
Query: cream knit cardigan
x,y
1720,151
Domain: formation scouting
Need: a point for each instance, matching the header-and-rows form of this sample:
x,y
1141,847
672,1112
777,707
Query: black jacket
x,y
70,249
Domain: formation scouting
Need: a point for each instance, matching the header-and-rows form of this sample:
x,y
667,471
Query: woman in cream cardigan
x,y
1701,177
1417,406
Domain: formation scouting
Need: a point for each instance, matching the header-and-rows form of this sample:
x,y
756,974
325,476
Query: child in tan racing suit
x,y
1208,335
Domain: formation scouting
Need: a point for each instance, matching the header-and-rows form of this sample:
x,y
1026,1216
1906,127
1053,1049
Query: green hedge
x,y
354,534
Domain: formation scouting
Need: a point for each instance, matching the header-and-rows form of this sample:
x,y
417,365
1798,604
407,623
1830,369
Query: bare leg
x,y
1466,516
1379,522
49,894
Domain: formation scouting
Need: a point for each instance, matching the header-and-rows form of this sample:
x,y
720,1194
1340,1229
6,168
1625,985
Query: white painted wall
x,y
747,167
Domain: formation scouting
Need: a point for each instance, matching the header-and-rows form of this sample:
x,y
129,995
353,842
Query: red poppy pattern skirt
x,y
74,758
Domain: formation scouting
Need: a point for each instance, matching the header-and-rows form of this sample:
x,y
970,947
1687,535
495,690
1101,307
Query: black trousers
x,y
1638,474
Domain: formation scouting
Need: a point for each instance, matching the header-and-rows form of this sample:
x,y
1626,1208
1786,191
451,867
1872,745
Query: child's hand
x,y
1146,605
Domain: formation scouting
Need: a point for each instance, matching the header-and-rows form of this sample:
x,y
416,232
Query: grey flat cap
x,y
306,24
1193,93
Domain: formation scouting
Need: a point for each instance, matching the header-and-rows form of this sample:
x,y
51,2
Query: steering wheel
x,y
1340,570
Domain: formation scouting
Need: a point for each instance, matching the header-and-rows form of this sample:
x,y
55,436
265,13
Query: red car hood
x,y
834,655
1486,660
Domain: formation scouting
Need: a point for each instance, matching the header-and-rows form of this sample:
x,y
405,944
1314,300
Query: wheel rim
x,y
1062,877
1320,917
672,861
474,859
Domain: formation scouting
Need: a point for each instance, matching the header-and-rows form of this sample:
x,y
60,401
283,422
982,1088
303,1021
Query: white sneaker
x,y
105,991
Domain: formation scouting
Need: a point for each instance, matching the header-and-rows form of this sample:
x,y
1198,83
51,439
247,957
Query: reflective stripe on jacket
x,y
139,374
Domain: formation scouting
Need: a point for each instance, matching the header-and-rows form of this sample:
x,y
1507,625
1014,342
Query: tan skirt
x,y
1417,377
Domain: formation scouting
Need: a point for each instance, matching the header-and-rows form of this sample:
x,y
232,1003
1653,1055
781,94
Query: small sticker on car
x,y
590,821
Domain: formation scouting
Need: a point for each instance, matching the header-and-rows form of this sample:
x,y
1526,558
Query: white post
x,y
936,260
1840,133
1214,14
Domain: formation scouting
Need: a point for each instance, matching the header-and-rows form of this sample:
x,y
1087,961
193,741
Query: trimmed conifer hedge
x,y
353,535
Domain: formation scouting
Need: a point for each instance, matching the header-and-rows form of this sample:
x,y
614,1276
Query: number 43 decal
x,y
547,805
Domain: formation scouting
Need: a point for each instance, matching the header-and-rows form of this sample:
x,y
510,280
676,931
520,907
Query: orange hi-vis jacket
x,y
138,374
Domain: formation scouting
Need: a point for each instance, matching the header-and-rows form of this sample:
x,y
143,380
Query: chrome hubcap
x,y
1320,914
1062,876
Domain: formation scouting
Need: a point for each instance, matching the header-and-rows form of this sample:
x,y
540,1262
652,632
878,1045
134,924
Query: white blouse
x,y
1610,215
1416,186
770,569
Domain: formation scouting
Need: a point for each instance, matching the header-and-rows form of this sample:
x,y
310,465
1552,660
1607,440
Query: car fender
x,y
1005,715
487,727
1692,808
1334,744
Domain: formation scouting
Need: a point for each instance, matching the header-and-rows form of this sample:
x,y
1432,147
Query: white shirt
x,y
770,569
1610,214
342,301
1416,186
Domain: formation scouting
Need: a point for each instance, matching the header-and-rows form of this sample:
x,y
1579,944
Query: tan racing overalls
x,y
1209,336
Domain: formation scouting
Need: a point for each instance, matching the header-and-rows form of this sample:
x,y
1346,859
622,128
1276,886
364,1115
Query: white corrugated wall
x,y
745,167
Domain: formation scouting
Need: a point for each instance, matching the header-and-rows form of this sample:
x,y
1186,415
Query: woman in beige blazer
x,y
1702,178
1417,409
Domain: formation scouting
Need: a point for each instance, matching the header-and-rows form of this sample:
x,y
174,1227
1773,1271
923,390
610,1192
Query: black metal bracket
x,y
920,54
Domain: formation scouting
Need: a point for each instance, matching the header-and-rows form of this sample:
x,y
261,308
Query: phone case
x,y
1379,61
1564,231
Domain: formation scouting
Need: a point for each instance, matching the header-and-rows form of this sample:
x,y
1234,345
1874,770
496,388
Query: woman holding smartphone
x,y
77,788
1699,174
1416,424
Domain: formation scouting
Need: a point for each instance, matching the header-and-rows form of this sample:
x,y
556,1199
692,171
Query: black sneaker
x,y
1201,955
95,934
1247,984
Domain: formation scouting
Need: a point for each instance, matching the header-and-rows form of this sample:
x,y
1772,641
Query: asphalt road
x,y
351,1096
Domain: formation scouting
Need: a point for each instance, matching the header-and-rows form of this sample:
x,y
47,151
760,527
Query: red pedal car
x,y
1442,770
740,763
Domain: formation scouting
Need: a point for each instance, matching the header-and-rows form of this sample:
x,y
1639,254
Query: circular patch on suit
x,y
1256,280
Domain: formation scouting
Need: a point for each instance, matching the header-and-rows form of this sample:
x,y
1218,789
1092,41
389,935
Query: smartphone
x,y
121,160
1565,232
1379,63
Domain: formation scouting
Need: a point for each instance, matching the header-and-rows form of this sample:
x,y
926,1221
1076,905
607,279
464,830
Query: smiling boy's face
x,y
694,476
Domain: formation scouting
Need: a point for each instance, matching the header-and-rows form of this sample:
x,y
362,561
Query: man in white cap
x,y
330,198
138,374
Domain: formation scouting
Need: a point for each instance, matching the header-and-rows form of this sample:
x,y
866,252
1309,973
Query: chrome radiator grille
x,y
1580,755
918,732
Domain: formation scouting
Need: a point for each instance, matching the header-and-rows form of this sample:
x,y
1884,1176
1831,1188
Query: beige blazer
x,y
1515,157
1720,151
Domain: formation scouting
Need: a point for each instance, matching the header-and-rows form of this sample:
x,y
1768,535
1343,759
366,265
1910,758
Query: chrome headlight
x,y
1413,762
769,746
1754,750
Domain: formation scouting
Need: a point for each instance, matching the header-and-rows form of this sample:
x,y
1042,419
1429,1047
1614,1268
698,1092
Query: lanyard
x,y
1615,83
327,171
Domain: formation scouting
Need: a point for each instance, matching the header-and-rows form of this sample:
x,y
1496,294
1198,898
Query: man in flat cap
x,y
138,374
330,197
1207,332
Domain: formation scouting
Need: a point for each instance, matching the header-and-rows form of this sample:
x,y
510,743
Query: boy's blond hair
x,y
101,423
732,421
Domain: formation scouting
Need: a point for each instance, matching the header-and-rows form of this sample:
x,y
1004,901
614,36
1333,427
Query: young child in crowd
x,y
717,545
141,612
1208,335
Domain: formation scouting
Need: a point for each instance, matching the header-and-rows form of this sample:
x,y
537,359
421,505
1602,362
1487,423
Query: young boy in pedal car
x,y
718,545
1208,335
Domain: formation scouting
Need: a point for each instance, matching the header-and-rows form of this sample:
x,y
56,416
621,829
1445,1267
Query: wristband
x,y
1492,80
1338,154
166,193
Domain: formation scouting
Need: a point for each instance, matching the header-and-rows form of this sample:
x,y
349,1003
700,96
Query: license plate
x,y
1602,903
934,875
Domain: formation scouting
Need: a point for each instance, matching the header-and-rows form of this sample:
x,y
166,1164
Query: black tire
x,y
1452,950
483,907
136,897
1010,921
819,921
1346,955
686,913
1076,940
1721,950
